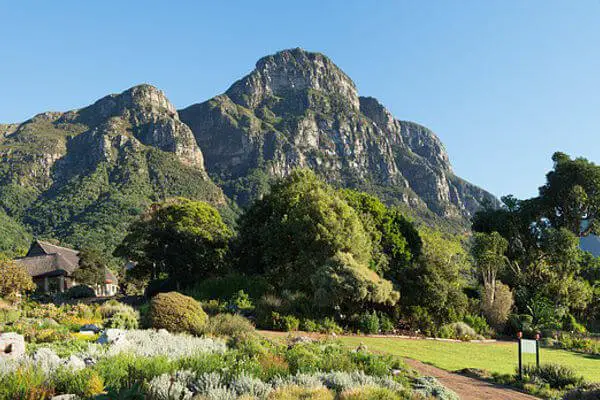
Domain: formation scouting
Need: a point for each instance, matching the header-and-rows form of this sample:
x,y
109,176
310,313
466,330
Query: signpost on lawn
x,y
530,347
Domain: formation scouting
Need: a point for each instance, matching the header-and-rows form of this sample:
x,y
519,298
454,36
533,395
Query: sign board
x,y
528,346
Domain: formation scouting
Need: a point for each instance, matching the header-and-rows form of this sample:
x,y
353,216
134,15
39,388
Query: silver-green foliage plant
x,y
429,387
147,343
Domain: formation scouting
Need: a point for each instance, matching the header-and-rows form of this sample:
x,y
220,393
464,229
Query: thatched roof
x,y
46,259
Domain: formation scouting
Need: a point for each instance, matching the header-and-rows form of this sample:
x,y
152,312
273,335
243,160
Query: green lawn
x,y
496,357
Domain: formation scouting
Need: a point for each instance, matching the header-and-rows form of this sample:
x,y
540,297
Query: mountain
x,y
298,109
83,175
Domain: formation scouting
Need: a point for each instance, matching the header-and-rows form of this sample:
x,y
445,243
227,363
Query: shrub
x,y
8,313
123,320
583,394
479,324
240,303
177,313
369,393
225,287
328,325
457,330
85,382
570,324
112,307
229,325
80,292
286,323
429,387
295,392
369,323
386,324
309,325
520,323
171,386
214,307
498,310
150,343
421,321
555,375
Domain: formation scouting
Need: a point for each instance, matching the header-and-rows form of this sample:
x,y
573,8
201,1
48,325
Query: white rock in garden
x,y
111,336
46,359
12,345
75,363
66,397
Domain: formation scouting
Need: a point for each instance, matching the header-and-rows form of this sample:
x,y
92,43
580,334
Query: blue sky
x,y
503,83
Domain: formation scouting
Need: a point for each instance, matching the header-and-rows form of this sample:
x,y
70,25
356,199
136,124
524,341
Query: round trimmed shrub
x,y
177,313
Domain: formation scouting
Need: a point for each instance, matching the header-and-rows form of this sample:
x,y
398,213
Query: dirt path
x,y
469,388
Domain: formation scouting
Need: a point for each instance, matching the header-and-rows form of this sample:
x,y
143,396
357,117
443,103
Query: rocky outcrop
x,y
81,176
298,109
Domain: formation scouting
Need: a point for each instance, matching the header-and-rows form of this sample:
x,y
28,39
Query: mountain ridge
x,y
298,109
68,174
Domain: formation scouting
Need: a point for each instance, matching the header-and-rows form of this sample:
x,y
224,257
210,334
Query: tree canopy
x,y
181,239
546,267
305,237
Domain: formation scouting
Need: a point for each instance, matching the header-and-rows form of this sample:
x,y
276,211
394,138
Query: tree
x,y
571,195
394,237
543,232
92,269
183,239
488,251
14,280
304,237
435,282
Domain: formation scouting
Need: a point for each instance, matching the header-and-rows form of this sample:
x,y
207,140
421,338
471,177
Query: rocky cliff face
x,y
298,109
81,176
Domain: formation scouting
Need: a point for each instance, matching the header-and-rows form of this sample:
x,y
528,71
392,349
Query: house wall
x,y
53,284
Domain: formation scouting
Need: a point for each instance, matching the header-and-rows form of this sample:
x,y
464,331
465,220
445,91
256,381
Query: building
x,y
51,268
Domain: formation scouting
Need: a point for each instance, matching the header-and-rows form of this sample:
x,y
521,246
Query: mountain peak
x,y
144,96
293,70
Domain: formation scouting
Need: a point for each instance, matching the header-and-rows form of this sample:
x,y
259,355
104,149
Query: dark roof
x,y
46,265
46,259
69,255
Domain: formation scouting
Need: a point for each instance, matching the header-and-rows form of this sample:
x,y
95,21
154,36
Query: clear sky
x,y
503,83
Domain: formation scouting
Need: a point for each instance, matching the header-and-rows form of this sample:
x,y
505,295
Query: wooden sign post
x,y
528,346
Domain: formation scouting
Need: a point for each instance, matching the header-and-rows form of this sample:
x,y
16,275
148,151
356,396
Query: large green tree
x,y
396,241
571,195
546,266
303,236
92,268
181,239
435,282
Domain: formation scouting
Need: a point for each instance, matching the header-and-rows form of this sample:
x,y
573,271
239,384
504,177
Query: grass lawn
x,y
497,357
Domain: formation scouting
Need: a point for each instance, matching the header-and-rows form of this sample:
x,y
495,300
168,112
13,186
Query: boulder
x,y
90,328
12,345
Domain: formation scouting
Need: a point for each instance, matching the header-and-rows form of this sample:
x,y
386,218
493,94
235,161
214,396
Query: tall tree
x,y
183,239
435,282
305,237
92,269
571,195
488,251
